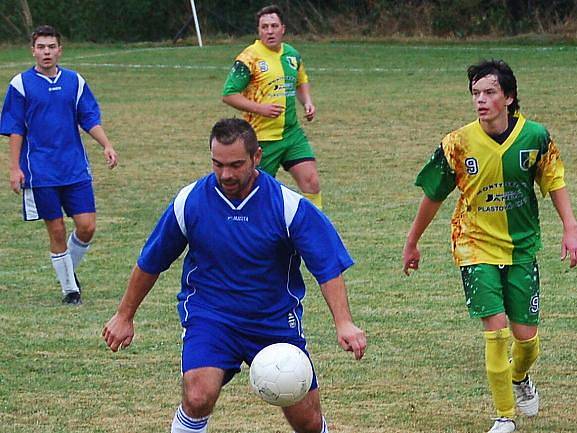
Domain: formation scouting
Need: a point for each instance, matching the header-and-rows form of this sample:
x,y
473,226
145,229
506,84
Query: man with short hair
x,y
495,162
242,289
43,108
265,81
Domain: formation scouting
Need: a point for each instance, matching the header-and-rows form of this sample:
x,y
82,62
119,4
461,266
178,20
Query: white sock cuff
x,y
193,425
325,427
77,242
56,256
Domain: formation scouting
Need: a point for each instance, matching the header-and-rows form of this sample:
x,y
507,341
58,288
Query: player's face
x,y
489,99
271,31
47,52
234,168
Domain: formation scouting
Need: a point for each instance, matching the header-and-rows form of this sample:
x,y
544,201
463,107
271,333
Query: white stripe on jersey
x,y
178,206
291,201
30,209
229,203
18,85
81,83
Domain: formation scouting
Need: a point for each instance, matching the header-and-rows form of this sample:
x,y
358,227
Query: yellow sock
x,y
499,371
316,199
524,354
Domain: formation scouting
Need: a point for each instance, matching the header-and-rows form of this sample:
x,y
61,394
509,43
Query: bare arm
x,y
304,97
427,211
242,103
562,203
16,174
350,337
97,132
119,330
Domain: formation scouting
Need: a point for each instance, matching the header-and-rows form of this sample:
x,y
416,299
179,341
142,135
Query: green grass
x,y
382,109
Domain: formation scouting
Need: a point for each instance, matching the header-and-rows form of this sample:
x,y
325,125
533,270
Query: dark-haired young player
x,y
495,162
43,108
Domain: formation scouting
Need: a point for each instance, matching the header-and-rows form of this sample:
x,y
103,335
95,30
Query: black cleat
x,y
72,298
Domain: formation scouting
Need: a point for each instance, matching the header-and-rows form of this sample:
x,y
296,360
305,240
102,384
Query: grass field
x,y
382,109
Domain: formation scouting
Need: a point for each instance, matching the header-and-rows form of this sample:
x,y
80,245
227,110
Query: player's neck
x,y
49,72
495,126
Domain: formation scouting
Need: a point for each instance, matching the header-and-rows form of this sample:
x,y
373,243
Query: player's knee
x,y
85,231
198,403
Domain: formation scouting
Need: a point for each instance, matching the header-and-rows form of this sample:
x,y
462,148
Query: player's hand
x,y
118,333
16,180
310,111
111,157
352,339
411,257
569,246
271,110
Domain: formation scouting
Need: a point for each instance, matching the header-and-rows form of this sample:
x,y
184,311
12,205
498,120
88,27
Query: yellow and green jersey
x,y
268,77
496,219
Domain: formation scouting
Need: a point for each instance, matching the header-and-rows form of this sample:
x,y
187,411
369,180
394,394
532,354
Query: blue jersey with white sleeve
x,y
243,261
47,111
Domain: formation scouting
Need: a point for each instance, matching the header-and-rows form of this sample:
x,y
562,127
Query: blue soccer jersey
x,y
47,112
243,261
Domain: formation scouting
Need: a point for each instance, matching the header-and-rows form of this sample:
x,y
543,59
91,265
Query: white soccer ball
x,y
281,374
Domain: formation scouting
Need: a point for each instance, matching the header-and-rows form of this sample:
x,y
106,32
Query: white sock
x,y
182,423
62,263
325,426
77,249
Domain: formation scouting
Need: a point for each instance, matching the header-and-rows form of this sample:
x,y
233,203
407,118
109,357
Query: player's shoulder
x,y
289,50
534,127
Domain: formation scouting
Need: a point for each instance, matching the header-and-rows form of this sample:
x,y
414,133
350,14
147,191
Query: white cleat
x,y
503,425
527,397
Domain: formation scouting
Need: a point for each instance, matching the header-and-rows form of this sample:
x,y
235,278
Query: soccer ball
x,y
281,374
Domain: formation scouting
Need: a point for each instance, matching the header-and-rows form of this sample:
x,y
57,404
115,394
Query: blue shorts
x,y
46,203
207,343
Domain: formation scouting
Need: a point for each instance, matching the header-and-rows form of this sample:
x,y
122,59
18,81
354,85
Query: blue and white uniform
x,y
46,112
242,268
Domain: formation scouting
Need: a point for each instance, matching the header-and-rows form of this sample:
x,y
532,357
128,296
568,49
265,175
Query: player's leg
x,y
211,356
62,261
299,161
522,300
200,391
483,286
79,240
78,203
45,204
306,415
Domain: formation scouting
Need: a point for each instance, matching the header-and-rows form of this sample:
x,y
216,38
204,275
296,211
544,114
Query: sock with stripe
x,y
325,428
499,371
523,354
182,423
62,263
77,249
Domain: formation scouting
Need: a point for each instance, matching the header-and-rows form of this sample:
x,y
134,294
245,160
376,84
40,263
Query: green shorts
x,y
512,289
288,152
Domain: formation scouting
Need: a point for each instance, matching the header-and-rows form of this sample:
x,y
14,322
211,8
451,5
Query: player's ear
x,y
258,156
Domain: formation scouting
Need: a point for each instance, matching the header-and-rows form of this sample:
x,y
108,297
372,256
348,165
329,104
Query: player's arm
x,y
562,203
16,173
350,337
237,81
425,214
305,98
97,132
119,331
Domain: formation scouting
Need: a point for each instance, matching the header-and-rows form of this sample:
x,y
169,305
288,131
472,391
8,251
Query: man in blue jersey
x,y
242,288
43,108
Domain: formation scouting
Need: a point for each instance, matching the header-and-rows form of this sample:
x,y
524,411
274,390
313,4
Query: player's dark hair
x,y
227,131
45,30
504,75
267,10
